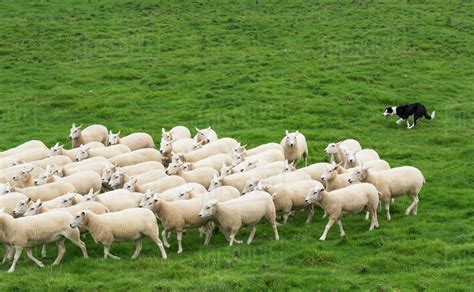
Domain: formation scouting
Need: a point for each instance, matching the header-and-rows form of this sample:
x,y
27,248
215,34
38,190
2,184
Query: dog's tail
x,y
427,116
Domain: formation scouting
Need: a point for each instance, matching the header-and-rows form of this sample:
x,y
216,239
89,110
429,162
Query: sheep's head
x,y
203,135
359,174
237,158
6,189
82,152
117,179
314,195
289,166
56,150
261,187
107,173
186,166
131,184
173,168
91,196
350,156
331,148
33,208
167,136
23,174
209,209
15,162
165,147
185,193
250,185
149,194
226,170
44,178
330,172
66,200
79,219
238,149
21,207
291,138
215,182
113,139
75,132
197,144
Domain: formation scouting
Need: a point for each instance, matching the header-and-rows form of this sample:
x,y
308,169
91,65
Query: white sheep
x,y
291,196
39,207
356,158
137,156
84,152
22,147
48,191
205,136
186,191
215,161
351,199
133,141
246,165
26,176
259,149
71,153
26,232
378,164
131,170
116,200
176,133
333,180
126,225
97,133
119,178
280,178
8,202
270,155
246,210
82,181
184,145
59,160
223,145
160,185
25,156
224,192
337,149
294,147
84,162
202,175
97,167
392,183
315,170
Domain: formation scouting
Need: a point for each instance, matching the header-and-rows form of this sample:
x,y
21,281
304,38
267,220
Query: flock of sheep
x,y
205,182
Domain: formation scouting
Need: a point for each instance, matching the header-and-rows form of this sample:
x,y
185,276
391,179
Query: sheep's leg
x,y
374,222
326,229
275,231
43,251
29,253
208,234
413,205
138,248
367,214
285,217
324,215
387,209
252,234
231,238
179,236
153,235
165,239
61,251
8,253
75,237
310,214
415,209
108,254
18,251
341,230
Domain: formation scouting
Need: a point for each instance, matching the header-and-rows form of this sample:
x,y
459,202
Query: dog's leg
x,y
408,124
399,121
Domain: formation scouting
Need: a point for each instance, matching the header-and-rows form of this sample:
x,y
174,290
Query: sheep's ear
x,y
73,125
110,132
39,203
209,128
163,131
197,129
61,146
286,133
29,168
56,145
118,133
297,132
29,200
339,164
274,196
244,146
80,126
365,167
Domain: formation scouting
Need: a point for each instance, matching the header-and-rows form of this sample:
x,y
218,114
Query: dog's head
x,y
389,111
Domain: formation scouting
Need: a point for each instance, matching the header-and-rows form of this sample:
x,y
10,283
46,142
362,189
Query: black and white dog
x,y
417,110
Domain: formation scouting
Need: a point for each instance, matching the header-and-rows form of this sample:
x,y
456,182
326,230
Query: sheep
x,y
378,164
25,156
356,158
84,162
26,232
25,177
116,200
215,161
178,132
188,191
223,145
137,156
351,199
315,170
39,207
259,149
290,196
59,160
392,183
280,178
294,147
180,215
84,152
221,192
247,164
202,175
337,149
126,225
48,191
5,188
135,169
66,200
72,153
97,133
97,167
205,136
333,180
133,141
82,181
160,185
8,202
184,145
246,210
265,157
120,177
23,147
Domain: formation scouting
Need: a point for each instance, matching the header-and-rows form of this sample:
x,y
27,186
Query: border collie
x,y
417,110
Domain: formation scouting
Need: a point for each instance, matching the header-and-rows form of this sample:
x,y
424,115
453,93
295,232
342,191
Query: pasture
x,y
251,71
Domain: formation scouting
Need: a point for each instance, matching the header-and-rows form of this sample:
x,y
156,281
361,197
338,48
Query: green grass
x,y
327,68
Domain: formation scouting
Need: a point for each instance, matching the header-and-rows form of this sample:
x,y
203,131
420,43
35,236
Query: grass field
x,y
251,71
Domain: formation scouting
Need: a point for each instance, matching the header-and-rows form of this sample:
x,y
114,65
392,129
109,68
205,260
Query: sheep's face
x,y
289,166
209,209
329,173
203,135
130,184
33,208
197,144
6,189
165,147
66,201
78,220
250,185
82,153
116,179
21,207
350,156
107,174
186,166
57,170
91,196
173,168
291,139
152,204
215,182
15,162
75,132
113,139
167,136
237,158
358,175
56,150
23,174
147,197
314,195
42,179
238,149
260,187
226,170
331,149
